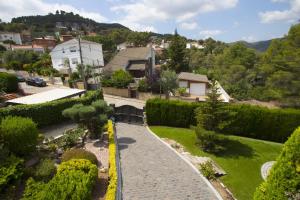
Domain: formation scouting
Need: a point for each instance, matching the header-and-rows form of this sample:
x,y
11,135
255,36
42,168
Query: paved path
x,y
120,101
150,170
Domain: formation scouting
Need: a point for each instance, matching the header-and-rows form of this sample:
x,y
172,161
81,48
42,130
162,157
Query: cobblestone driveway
x,y
150,170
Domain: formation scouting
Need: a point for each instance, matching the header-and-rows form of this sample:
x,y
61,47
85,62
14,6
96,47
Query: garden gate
x,y
129,114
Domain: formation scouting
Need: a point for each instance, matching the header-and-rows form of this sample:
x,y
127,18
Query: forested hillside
x,y
248,74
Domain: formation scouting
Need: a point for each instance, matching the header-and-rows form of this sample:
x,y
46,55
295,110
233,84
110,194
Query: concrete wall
x,y
116,91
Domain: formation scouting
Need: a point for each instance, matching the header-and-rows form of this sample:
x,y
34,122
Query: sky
x,y
225,20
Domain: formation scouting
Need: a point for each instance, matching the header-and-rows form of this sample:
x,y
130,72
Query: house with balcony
x,y
66,56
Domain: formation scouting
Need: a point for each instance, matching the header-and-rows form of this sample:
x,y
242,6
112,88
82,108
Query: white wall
x,y
11,36
91,54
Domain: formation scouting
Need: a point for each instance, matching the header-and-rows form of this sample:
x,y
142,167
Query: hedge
x,y
79,154
249,121
74,180
283,181
49,113
113,176
8,82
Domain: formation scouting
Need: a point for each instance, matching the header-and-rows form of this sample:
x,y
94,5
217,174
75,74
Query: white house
x,y
16,37
91,54
189,45
195,84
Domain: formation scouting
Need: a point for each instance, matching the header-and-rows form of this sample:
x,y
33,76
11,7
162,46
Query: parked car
x,y
36,82
21,78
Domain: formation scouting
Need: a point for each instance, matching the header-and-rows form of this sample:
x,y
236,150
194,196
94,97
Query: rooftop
x,y
121,60
47,96
193,77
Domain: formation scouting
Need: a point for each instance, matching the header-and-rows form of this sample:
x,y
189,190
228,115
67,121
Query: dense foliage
x,y
45,170
93,116
11,169
20,135
8,82
283,181
249,121
48,113
169,82
118,79
113,176
79,154
74,180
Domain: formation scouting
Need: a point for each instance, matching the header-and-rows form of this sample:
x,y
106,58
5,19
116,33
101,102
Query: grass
x,y
241,160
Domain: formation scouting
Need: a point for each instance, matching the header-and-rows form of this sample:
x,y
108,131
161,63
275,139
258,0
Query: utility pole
x,y
81,64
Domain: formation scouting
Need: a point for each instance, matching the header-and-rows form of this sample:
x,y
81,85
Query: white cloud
x,y
15,8
189,25
147,12
290,15
210,33
249,38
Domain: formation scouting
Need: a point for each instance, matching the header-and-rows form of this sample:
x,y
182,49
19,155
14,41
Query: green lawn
x,y
241,160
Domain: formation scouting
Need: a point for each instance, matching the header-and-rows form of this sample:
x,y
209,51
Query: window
x,y
74,61
73,49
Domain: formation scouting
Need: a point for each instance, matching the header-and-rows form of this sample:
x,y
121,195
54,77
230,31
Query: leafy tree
x,y
121,79
139,39
177,54
168,82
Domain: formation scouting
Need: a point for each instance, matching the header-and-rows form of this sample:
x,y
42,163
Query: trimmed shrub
x,y
51,112
121,79
112,173
283,181
79,154
45,170
209,141
11,169
74,180
8,82
20,135
249,121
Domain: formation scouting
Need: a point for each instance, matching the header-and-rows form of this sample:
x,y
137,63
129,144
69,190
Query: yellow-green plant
x,y
113,177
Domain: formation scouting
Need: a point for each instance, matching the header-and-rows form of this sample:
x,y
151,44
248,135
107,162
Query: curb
x,y
188,162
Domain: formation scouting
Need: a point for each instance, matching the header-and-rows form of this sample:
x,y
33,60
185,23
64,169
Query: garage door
x,y
197,89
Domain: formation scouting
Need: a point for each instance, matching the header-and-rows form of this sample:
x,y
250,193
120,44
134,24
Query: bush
x,y
283,181
121,79
207,170
79,154
74,180
249,121
11,169
45,170
143,85
20,134
51,112
112,173
8,82
209,141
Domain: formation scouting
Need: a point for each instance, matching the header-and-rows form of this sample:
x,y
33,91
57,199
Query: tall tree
x,y
168,82
177,54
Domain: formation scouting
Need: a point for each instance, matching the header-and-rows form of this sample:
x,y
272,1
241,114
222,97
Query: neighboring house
x,y
45,42
139,62
164,45
35,48
194,44
68,52
195,84
16,37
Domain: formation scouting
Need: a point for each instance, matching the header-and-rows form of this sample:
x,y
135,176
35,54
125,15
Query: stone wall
x,y
116,91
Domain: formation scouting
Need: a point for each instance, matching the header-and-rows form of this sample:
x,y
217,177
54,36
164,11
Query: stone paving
x,y
150,170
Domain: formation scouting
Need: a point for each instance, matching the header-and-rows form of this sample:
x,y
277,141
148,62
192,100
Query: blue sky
x,y
226,20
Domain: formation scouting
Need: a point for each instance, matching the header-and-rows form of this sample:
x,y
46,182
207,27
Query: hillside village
x,y
94,110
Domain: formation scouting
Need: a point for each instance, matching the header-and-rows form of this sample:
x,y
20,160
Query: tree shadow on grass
x,y
234,148
123,142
